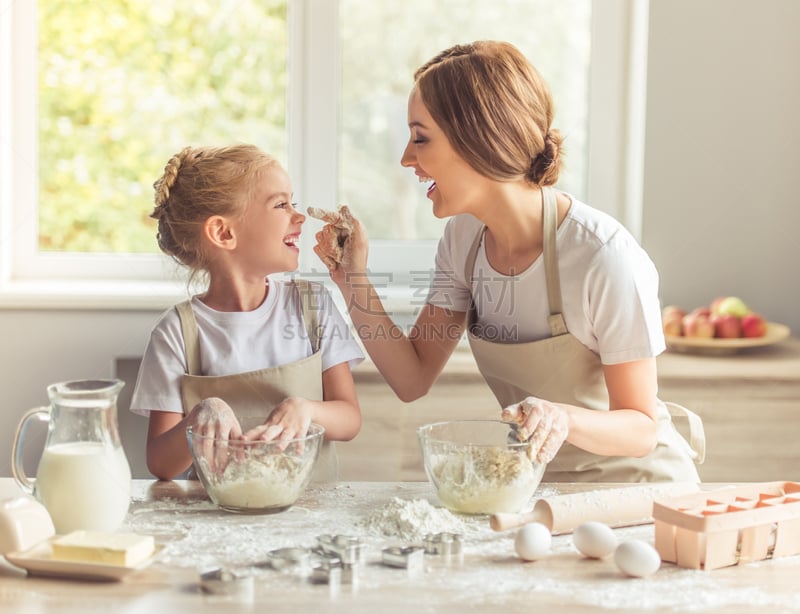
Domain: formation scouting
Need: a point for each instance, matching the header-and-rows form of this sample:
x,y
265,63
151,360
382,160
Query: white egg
x,y
533,541
594,539
637,558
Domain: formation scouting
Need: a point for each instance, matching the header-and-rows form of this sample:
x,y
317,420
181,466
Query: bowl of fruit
x,y
726,326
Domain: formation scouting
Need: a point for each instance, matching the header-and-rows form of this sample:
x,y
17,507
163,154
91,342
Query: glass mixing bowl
x,y
479,466
255,477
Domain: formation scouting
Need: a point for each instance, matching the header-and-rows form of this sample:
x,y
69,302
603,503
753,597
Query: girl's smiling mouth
x,y
292,240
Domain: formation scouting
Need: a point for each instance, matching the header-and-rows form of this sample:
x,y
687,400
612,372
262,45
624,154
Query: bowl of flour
x,y
479,466
255,477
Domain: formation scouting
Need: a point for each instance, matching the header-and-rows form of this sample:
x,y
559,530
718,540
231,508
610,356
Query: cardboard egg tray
x,y
730,526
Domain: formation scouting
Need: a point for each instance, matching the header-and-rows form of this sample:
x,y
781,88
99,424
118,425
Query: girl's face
x,y
269,230
453,183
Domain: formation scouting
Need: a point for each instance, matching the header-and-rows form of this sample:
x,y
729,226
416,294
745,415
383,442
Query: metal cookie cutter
x,y
226,583
332,568
290,559
347,548
410,557
328,569
444,544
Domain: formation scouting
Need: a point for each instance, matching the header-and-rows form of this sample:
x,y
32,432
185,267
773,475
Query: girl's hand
x,y
341,244
289,420
213,418
543,424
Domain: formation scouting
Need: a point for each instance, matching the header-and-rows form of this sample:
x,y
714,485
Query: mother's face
x,y
435,161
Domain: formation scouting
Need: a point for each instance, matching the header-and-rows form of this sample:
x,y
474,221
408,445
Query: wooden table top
x,y
195,536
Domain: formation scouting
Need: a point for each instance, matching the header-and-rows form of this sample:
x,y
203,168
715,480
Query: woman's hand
x,y
543,424
341,244
289,420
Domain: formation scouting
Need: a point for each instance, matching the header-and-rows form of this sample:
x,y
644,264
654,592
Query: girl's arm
x,y
167,447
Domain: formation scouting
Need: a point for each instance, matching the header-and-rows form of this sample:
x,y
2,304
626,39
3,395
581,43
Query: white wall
x,y
721,208
40,347
721,199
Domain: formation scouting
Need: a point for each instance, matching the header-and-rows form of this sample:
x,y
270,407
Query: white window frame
x,y
29,278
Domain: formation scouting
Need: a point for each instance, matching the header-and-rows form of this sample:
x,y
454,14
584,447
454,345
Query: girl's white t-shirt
x,y
609,287
271,335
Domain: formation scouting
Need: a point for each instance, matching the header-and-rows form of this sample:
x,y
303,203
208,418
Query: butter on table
x,y
124,549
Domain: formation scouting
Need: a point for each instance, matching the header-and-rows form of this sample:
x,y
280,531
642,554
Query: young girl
x,y
253,357
559,302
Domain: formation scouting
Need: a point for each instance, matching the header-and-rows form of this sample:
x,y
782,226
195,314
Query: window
x,y
117,87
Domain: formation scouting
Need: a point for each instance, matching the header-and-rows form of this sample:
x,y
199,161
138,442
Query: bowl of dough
x,y
479,466
255,477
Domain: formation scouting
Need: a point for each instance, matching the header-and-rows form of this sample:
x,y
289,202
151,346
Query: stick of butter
x,y
124,549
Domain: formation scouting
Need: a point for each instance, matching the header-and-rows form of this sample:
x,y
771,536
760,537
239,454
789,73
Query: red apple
x,y
727,325
671,317
701,311
669,310
753,325
672,323
698,325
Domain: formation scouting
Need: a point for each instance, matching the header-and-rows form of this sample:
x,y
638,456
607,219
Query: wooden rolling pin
x,y
617,507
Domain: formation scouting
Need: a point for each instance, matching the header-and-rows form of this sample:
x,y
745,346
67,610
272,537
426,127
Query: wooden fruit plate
x,y
721,347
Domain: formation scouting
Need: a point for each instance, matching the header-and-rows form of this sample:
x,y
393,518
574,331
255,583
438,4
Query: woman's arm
x,y
409,363
627,429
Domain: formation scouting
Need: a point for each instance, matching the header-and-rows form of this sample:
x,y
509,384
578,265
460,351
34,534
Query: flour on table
x,y
412,519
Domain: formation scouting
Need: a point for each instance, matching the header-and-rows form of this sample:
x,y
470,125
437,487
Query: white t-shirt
x,y
274,334
609,287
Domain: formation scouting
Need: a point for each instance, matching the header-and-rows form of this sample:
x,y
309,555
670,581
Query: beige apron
x,y
561,369
254,394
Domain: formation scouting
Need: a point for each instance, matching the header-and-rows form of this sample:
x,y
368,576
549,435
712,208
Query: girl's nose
x,y
409,157
297,216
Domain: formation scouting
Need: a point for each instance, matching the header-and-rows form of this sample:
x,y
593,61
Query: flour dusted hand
x,y
213,418
542,423
341,244
339,226
289,420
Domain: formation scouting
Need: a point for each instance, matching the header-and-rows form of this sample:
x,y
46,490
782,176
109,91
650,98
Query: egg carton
x,y
730,526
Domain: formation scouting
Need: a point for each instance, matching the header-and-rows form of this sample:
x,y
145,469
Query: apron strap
x,y
469,269
311,309
189,324
189,329
549,227
697,435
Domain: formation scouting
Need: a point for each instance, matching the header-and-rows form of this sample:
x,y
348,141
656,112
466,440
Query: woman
x,y
559,301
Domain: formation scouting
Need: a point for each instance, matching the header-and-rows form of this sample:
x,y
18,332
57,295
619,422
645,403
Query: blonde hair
x,y
200,182
495,109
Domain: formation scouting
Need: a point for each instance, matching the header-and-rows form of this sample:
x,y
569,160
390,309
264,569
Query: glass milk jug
x,y
83,479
